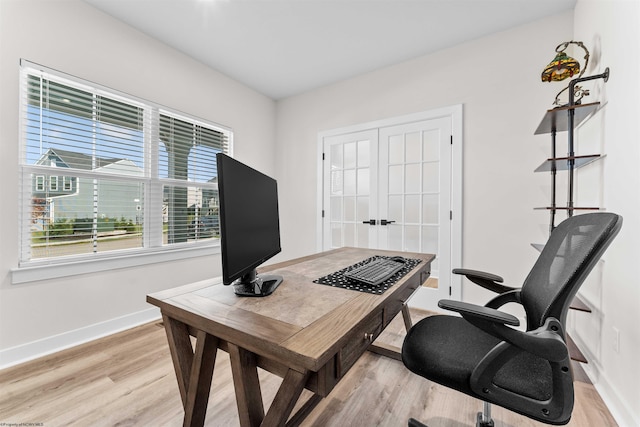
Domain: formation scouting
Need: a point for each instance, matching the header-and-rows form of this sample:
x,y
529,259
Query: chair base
x,y
481,421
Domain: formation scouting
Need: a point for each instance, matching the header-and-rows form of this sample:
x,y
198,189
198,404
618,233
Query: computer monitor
x,y
249,226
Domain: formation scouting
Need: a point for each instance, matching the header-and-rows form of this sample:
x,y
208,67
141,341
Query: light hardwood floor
x,y
127,379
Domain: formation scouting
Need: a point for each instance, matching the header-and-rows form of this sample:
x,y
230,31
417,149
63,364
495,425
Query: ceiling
x,y
285,47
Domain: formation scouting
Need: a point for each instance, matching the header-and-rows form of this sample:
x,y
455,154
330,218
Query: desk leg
x,y
181,352
406,316
204,360
249,395
247,386
193,370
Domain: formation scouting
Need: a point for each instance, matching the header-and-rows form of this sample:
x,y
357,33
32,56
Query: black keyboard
x,y
375,272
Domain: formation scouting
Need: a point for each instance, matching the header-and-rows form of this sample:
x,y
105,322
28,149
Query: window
x,y
40,183
53,184
136,177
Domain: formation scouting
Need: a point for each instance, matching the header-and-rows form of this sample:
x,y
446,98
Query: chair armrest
x,y
477,273
486,280
478,311
546,341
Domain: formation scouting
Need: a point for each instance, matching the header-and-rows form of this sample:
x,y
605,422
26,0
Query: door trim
x,y
454,112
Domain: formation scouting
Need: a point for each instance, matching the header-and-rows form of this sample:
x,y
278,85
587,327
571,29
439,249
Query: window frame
x,y
152,250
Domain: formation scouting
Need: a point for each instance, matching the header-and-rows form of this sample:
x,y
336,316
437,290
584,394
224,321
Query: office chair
x,y
480,354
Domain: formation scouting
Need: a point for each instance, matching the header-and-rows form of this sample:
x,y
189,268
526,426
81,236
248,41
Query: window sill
x,y
57,270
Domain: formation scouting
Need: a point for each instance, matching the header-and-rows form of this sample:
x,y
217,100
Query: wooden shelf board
x,y
538,246
574,351
562,163
557,119
565,208
579,305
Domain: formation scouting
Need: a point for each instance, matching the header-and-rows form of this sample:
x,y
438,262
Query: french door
x,y
391,187
351,190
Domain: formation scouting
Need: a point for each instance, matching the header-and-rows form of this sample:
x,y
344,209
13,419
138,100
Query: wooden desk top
x,y
302,322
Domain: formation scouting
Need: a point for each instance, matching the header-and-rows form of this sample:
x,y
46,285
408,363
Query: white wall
x,y
610,30
77,39
497,79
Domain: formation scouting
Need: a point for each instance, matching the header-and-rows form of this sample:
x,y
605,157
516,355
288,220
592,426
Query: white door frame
x,y
455,113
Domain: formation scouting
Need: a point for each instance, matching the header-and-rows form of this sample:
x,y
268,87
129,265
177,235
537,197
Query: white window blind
x,y
105,174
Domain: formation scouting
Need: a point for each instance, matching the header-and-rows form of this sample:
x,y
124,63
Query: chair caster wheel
x,y
415,423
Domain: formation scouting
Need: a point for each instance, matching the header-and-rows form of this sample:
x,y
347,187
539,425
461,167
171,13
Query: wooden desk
x,y
308,334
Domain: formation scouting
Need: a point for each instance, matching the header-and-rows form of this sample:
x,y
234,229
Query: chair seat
x,y
446,349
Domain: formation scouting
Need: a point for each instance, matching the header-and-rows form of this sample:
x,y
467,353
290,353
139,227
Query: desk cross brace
x,y
194,372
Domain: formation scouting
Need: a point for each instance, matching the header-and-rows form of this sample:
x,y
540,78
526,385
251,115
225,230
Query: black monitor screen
x,y
249,223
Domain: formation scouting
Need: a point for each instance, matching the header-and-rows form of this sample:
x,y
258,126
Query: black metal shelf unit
x,y
561,119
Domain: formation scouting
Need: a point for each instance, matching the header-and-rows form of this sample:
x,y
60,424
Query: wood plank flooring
x,y
127,379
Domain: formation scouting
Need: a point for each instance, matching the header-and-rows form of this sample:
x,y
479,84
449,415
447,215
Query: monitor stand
x,y
257,285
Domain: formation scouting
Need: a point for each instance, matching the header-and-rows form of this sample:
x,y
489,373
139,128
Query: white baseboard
x,y
29,351
619,408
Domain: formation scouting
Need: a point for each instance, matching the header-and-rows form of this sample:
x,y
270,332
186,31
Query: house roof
x,y
76,160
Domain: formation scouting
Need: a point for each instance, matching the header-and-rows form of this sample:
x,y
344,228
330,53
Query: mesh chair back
x,y
573,249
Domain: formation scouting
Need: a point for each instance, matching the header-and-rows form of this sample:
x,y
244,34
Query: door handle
x,y
385,222
371,221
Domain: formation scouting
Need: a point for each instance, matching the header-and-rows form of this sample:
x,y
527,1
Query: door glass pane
x,y
395,179
430,239
350,182
412,238
430,177
336,183
413,146
412,180
363,209
431,145
336,209
430,208
363,154
363,235
363,182
430,244
349,208
395,208
395,237
396,149
349,234
336,156
336,236
350,155
412,209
